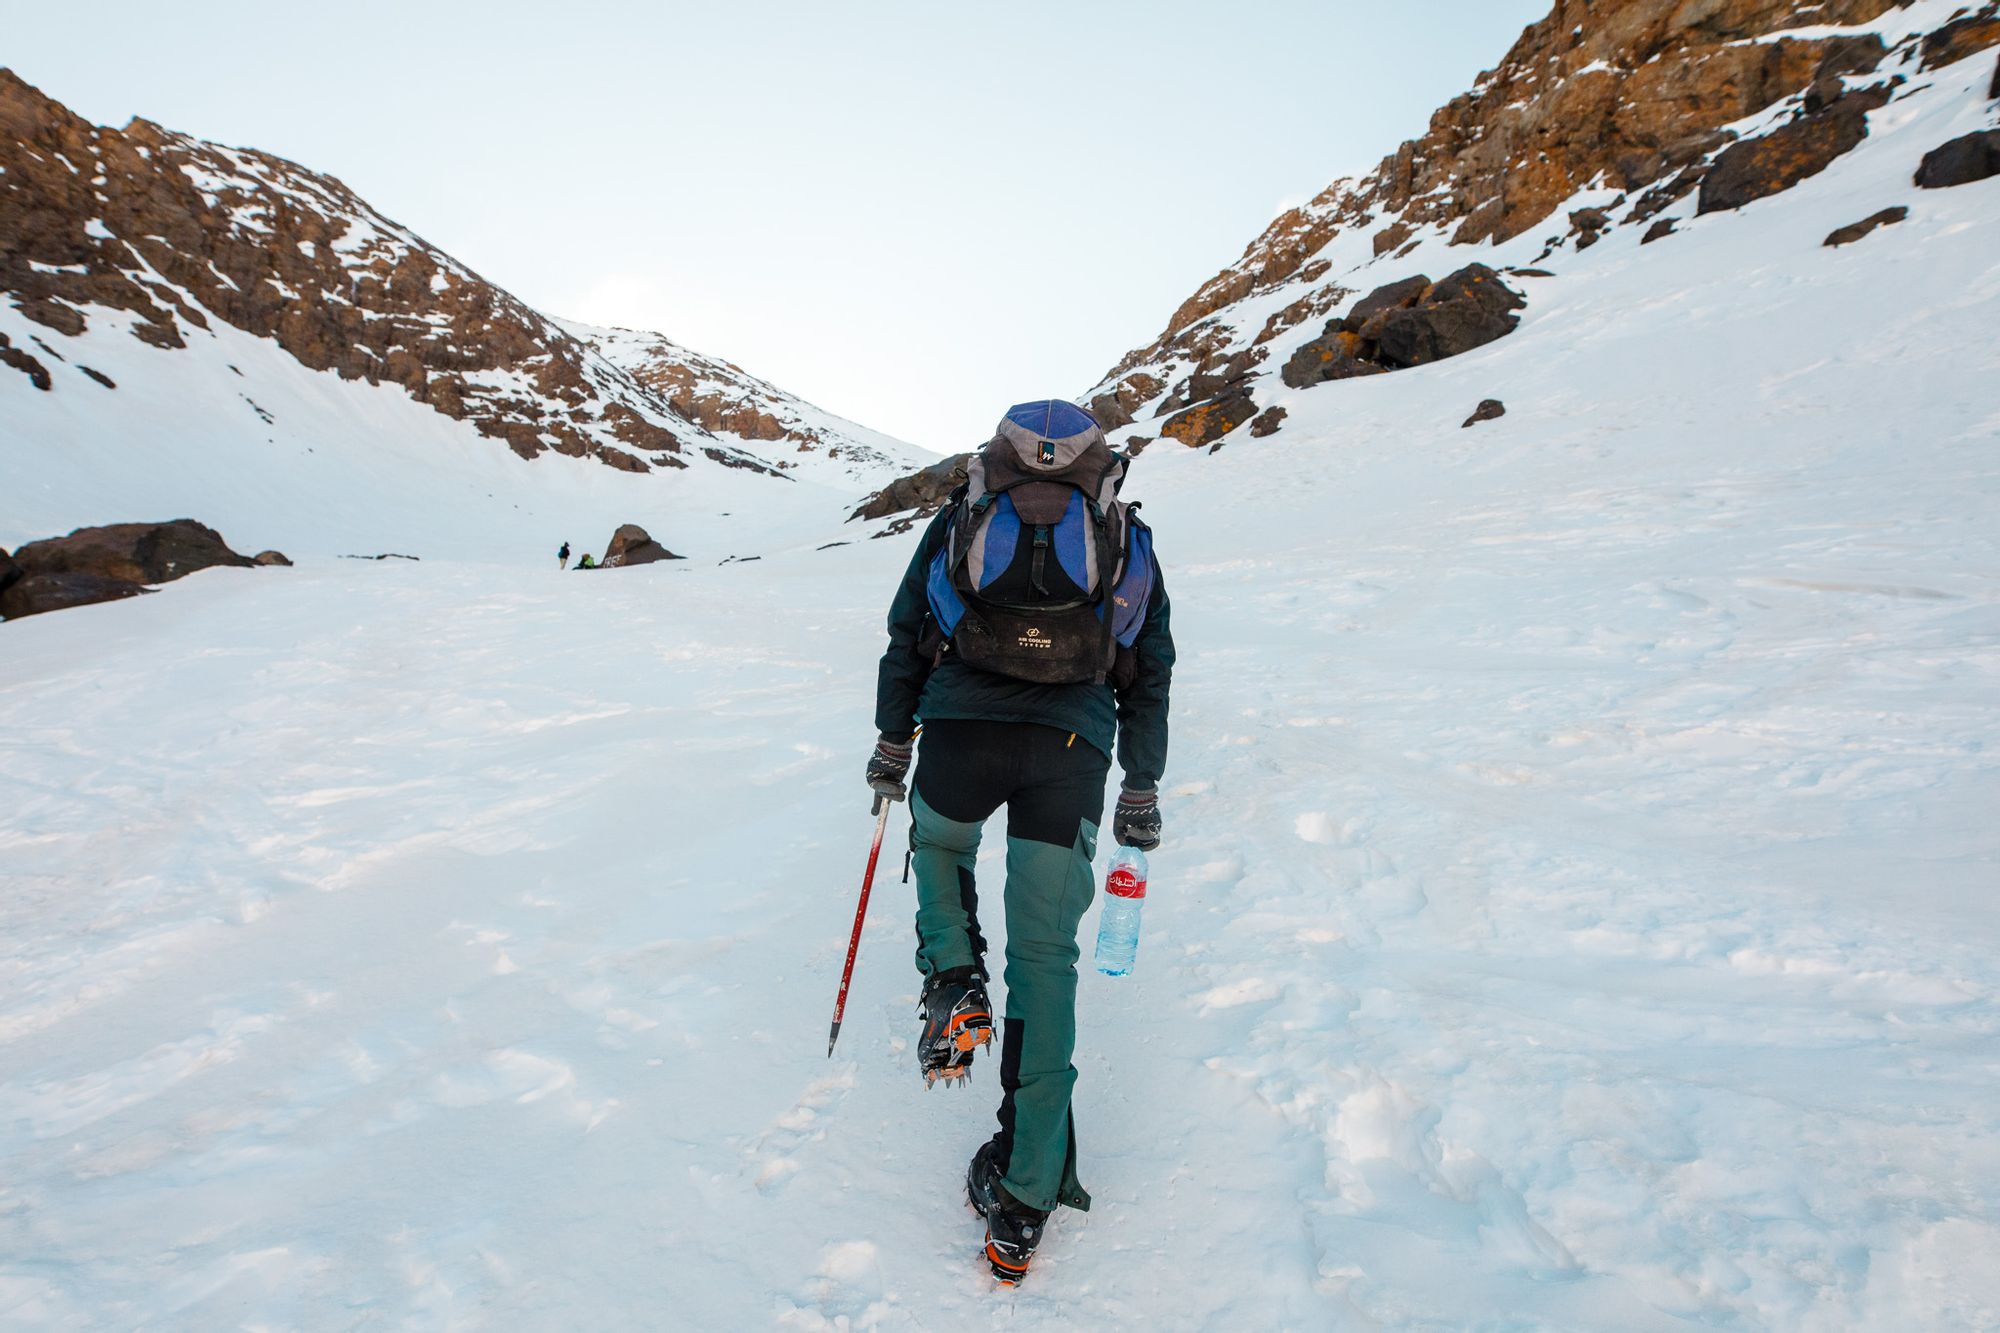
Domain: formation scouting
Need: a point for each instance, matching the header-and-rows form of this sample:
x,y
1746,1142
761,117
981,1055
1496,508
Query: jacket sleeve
x,y
1142,705
899,681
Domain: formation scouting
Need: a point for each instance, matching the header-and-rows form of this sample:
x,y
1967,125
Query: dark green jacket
x,y
908,690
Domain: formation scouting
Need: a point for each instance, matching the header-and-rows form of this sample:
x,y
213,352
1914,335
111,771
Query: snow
x,y
1577,909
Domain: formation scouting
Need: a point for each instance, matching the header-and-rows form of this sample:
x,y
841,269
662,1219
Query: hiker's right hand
x,y
1136,822
888,766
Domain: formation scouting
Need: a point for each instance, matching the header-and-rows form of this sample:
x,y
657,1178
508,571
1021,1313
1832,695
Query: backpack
x,y
1045,574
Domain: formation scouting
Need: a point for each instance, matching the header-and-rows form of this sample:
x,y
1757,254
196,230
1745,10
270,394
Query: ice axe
x,y
860,915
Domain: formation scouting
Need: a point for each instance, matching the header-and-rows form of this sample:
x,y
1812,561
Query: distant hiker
x,y
587,562
562,557
1029,631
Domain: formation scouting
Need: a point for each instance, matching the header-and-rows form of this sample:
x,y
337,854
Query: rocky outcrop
x,y
1854,231
164,234
271,558
1960,38
1771,163
1205,423
134,552
1633,96
1411,322
1968,158
923,491
632,545
37,593
107,563
1489,409
1267,422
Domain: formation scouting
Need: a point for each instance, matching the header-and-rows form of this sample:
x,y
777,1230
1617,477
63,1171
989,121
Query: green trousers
x,y
1052,785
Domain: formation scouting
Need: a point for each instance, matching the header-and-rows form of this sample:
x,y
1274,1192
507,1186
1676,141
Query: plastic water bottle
x,y
1118,926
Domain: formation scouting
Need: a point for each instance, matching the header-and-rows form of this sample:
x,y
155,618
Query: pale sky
x,y
912,214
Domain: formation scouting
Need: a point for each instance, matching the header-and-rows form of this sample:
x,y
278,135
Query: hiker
x,y
562,557
587,562
1030,630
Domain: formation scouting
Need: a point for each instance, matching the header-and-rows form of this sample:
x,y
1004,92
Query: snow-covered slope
x,y
192,329
752,414
1608,121
1578,908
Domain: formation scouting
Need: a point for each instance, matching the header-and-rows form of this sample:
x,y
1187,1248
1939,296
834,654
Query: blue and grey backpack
x,y
1045,573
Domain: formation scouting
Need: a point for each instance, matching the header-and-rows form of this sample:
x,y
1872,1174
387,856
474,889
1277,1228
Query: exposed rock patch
x,y
1412,322
1772,163
1205,423
1961,161
135,552
36,593
1267,422
272,558
1961,38
1489,409
1854,231
923,491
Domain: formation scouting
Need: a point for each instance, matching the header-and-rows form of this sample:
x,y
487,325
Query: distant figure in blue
x,y
562,557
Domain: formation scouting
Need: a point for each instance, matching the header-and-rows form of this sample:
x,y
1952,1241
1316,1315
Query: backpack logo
x,y
1048,453
1034,638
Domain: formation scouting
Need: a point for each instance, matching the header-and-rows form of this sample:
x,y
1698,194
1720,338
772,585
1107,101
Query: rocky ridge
x,y
160,235
1607,113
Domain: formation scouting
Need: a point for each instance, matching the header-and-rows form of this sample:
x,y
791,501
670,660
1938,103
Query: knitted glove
x,y
889,765
1136,823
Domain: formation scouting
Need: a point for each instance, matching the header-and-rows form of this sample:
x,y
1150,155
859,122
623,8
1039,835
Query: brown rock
x,y
631,545
1335,355
1772,163
1488,410
9,571
37,373
1961,38
134,552
1659,231
1968,158
1993,93
1854,231
1469,309
36,593
1205,423
924,490
271,558
1389,296
1267,422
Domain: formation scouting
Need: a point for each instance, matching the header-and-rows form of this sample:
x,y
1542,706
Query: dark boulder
x,y
1993,93
1391,296
1205,423
134,552
1854,231
1121,406
1267,422
1588,225
1334,355
36,593
1489,409
1968,158
924,490
271,558
632,545
1659,231
9,571
1469,309
1773,163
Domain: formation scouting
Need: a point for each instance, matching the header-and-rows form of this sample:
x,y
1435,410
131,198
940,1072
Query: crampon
x,y
958,1020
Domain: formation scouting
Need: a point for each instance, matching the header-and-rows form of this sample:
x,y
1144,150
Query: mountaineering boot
x,y
958,1020
1013,1229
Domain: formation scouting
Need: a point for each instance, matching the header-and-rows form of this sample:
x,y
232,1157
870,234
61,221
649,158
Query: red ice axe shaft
x,y
860,915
